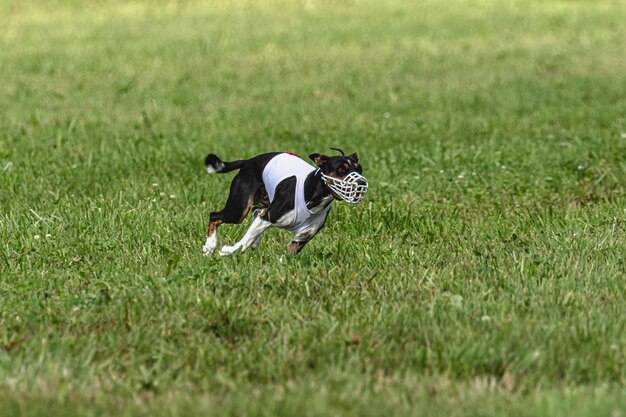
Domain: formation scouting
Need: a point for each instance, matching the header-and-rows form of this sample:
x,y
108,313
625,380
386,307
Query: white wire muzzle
x,y
350,189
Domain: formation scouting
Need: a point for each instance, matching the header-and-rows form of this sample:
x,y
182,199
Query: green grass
x,y
484,275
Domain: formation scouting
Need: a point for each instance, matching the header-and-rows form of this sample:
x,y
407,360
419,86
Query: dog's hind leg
x,y
211,236
236,209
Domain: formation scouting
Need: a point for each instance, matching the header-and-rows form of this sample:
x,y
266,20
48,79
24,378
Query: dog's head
x,y
342,175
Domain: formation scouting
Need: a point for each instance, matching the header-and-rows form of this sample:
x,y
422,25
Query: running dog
x,y
284,191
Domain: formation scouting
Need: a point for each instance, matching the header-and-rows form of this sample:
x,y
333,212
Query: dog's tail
x,y
215,165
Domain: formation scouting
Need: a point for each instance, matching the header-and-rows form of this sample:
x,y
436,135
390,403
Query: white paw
x,y
209,245
228,250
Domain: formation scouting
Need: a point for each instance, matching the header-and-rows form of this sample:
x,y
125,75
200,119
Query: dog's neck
x,y
316,194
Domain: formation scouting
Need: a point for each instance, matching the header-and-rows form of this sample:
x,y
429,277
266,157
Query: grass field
x,y
484,275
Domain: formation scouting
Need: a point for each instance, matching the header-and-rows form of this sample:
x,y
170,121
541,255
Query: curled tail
x,y
215,165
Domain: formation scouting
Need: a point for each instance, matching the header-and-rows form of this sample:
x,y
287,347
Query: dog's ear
x,y
356,158
318,159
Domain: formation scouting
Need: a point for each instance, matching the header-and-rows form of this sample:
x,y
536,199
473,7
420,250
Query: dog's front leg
x,y
295,246
301,239
255,244
251,238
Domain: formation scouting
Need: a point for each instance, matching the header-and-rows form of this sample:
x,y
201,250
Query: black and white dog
x,y
283,191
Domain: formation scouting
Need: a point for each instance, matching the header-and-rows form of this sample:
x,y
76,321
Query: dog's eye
x,y
341,170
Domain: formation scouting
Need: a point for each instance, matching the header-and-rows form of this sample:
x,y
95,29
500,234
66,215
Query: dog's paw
x,y
228,250
209,245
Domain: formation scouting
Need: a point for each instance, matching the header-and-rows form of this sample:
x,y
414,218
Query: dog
x,y
285,191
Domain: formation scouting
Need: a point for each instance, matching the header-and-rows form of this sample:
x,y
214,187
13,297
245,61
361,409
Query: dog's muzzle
x,y
350,189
